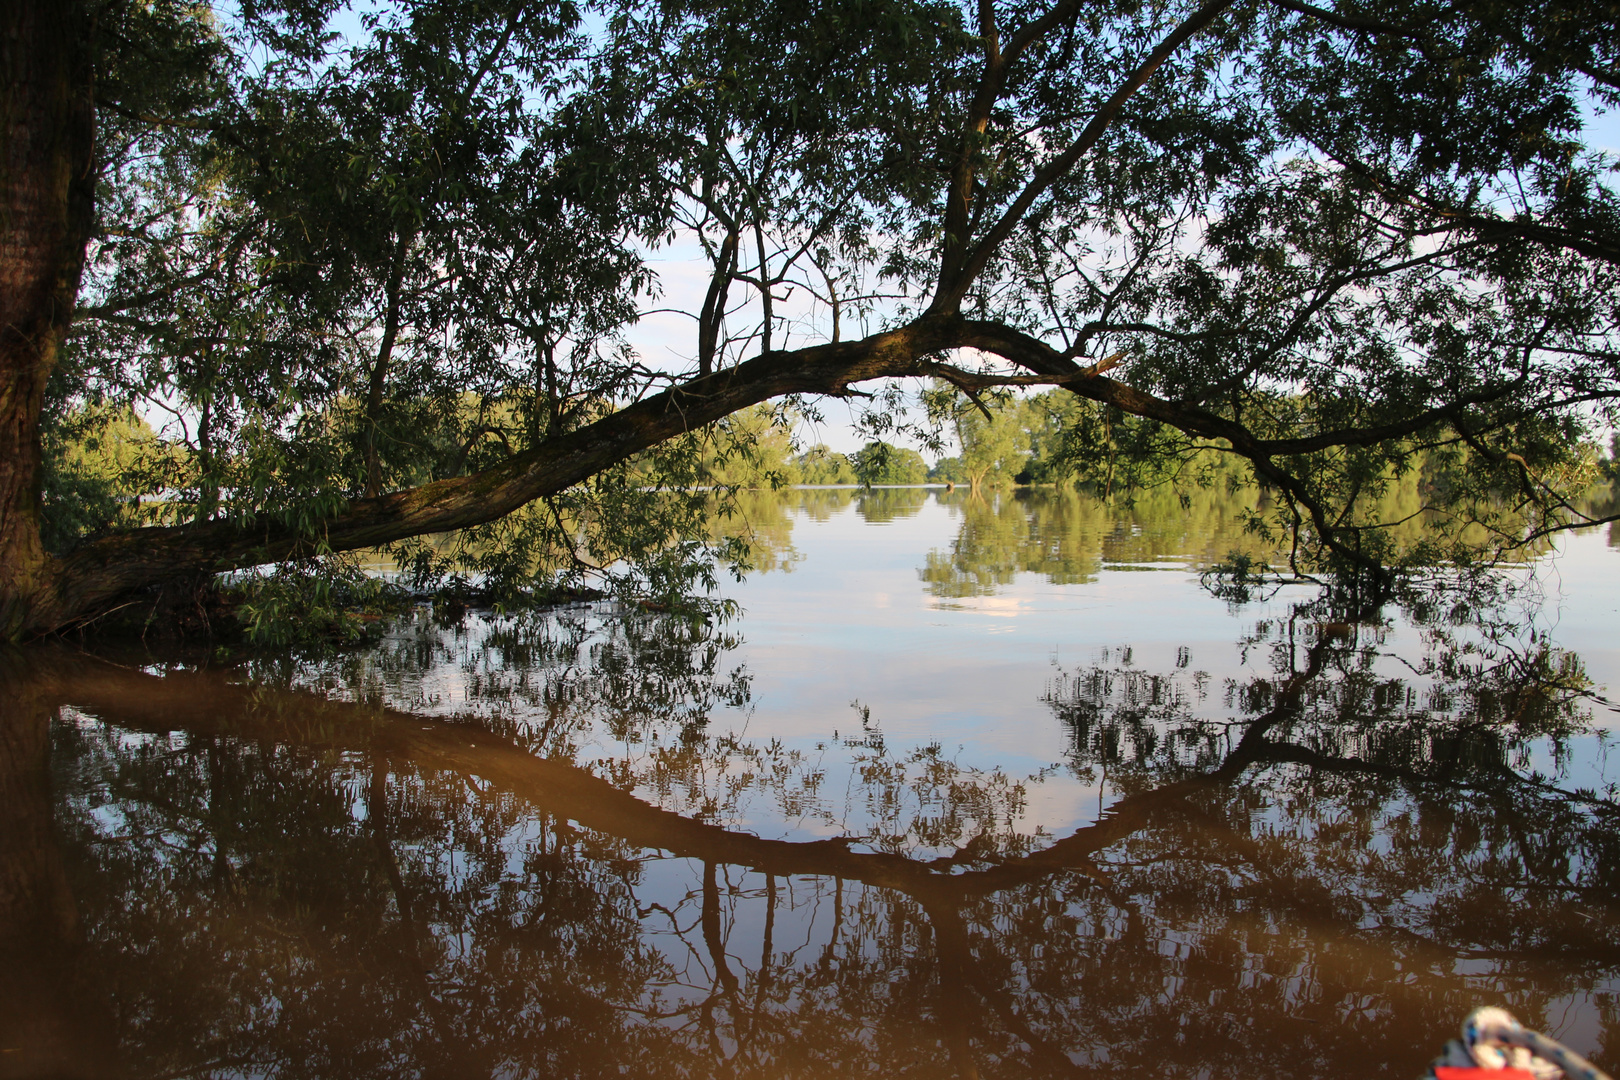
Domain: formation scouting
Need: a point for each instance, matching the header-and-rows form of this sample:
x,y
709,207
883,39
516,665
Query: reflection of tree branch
x,y
377,818
829,953
201,701
209,702
996,997
1291,753
712,937
450,1063
955,956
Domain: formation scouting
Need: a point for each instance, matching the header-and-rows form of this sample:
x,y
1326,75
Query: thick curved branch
x,y
95,575
1036,355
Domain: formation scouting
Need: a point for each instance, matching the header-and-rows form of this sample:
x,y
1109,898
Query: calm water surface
x,y
974,788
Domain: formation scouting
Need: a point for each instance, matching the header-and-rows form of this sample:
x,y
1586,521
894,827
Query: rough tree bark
x,y
47,124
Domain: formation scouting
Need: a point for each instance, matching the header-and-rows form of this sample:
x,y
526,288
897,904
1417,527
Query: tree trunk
x,y
47,124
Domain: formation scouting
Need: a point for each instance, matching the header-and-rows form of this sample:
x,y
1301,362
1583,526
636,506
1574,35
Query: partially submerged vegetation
x,y
108,469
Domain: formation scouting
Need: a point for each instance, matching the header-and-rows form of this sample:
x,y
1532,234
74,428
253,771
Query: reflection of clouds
x,y
855,622
1059,801
1332,901
1279,898
1000,607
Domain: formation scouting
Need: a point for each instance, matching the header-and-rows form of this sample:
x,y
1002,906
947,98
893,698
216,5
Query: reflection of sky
x,y
853,623
1582,612
1583,604
854,633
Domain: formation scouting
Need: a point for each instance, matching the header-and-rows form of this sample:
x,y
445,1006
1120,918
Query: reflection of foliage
x,y
763,521
994,544
269,874
914,803
890,504
1603,500
1466,713
548,679
1068,536
1335,865
922,801
822,505
551,865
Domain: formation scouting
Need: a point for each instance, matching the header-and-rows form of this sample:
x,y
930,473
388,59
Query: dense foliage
x,y
373,274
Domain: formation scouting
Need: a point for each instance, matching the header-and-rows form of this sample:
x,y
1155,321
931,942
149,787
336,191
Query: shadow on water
x,y
317,872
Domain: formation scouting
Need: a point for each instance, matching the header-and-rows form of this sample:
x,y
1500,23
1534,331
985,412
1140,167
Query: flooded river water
x,y
972,788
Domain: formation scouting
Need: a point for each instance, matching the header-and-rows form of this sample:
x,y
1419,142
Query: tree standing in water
x,y
381,291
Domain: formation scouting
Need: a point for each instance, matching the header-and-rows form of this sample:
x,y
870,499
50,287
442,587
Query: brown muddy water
x,y
971,789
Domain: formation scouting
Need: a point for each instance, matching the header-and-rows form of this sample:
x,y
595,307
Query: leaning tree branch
x,y
99,574
95,575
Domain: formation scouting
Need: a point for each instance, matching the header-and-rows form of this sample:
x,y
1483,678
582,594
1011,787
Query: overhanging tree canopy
x,y
382,290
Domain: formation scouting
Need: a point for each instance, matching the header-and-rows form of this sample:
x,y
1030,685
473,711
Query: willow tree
x,y
381,283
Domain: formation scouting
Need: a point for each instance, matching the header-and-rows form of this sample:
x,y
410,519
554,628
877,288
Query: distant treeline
x,y
106,468
1049,438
